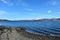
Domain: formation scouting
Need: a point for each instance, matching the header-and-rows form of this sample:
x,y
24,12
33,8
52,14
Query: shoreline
x,y
21,34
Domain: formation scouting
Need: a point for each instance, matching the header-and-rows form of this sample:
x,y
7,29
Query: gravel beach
x,y
13,34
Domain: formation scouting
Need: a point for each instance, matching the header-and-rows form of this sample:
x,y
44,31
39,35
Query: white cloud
x,y
58,12
21,3
15,2
3,12
37,18
32,19
49,11
18,3
54,3
5,1
24,4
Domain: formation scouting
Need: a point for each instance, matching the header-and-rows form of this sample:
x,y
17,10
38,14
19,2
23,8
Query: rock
x,y
6,34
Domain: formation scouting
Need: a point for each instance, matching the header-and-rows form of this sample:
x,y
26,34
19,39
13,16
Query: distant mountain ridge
x,y
31,19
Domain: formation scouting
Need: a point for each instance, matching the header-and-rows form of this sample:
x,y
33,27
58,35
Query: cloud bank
x,y
49,11
3,12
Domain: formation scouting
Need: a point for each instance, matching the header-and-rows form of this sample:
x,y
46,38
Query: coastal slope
x,y
20,34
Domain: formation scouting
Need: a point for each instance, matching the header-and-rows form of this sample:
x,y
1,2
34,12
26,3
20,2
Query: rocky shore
x,y
21,34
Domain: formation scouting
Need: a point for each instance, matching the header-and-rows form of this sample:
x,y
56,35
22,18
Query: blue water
x,y
43,27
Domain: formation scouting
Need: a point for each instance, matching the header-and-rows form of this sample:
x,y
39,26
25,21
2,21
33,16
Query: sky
x,y
29,9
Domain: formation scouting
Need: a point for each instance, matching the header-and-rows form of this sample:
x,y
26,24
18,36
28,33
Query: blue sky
x,y
29,9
